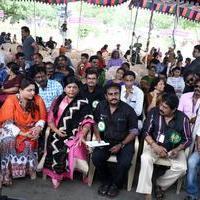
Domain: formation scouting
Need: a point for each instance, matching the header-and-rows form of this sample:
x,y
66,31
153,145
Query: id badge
x,y
161,138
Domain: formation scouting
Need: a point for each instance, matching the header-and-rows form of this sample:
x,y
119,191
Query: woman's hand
x,y
61,133
81,139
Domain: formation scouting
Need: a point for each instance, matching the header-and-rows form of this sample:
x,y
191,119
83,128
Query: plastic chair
x,y
165,162
113,159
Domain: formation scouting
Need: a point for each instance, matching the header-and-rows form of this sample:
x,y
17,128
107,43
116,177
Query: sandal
x,y
56,183
159,193
7,183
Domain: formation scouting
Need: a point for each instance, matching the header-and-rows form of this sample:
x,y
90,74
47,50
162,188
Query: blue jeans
x,y
192,173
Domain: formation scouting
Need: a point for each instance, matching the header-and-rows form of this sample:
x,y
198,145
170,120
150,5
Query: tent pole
x,y
133,32
176,19
35,19
149,32
79,24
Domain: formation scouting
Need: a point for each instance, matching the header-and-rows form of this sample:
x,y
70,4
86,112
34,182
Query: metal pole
x,y
79,23
35,19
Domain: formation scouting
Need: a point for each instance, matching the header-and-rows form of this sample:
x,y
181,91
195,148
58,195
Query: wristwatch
x,y
122,145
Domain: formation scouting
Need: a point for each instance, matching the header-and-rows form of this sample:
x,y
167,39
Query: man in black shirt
x,y
91,90
117,124
167,133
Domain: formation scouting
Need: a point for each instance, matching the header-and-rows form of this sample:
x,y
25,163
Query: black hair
x,y
91,70
25,29
188,59
112,55
126,63
31,106
171,100
38,70
129,73
112,85
85,55
197,47
14,67
93,57
38,54
99,52
66,81
176,68
18,55
154,83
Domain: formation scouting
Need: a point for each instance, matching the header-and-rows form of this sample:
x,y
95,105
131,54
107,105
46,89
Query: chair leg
x,y
179,184
44,177
131,174
91,173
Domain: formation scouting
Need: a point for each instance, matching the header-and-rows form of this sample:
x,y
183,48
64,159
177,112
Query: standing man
x,y
195,64
192,189
117,124
167,133
29,45
48,89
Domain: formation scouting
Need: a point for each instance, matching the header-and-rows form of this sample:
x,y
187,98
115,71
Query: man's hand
x,y
115,149
192,120
173,153
159,150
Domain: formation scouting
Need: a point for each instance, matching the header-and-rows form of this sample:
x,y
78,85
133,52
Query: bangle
x,y
122,145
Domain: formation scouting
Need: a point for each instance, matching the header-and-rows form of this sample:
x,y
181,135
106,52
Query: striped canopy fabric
x,y
95,2
189,9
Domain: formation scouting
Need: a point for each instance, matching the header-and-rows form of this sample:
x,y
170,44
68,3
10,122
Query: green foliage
x,y
17,10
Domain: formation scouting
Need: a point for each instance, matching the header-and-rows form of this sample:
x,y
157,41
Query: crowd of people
x,y
78,103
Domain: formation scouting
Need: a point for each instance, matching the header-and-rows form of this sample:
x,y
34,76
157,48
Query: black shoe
x,y
190,198
113,191
103,189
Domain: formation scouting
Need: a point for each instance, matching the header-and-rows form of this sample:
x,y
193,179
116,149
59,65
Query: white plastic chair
x,y
166,162
113,158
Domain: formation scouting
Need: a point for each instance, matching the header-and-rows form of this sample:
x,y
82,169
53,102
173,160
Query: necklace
x,y
22,103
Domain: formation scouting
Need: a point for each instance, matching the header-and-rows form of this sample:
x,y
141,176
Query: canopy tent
x,y
189,9
95,2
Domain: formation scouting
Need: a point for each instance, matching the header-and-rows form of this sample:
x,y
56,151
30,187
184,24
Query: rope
x,y
79,23
176,19
134,26
150,27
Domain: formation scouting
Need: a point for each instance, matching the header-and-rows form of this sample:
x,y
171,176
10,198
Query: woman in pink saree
x,y
70,120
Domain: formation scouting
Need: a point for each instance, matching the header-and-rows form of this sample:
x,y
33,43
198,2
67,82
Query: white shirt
x,y
178,84
196,130
135,99
2,58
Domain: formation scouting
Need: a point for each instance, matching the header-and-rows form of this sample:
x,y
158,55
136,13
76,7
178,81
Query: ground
x,y
41,189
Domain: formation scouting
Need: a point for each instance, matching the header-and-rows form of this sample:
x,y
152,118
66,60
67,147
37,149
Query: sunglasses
x,y
190,80
197,86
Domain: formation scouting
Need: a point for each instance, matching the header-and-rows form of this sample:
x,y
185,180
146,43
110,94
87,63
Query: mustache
x,y
161,111
113,99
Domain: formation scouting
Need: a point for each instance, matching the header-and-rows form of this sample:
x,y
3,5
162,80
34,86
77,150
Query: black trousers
x,y
124,158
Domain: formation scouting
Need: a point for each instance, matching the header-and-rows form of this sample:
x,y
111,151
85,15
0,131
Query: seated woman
x,y
118,77
11,84
22,118
115,60
153,98
70,120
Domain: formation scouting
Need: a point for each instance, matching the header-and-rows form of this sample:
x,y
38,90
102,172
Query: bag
x,y
172,139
